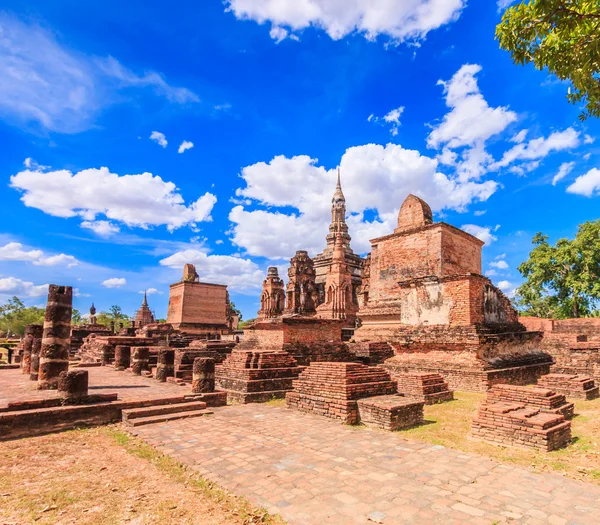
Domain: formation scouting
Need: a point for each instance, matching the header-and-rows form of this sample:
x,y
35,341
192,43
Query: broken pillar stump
x,y
140,359
165,366
35,357
203,375
73,386
56,339
122,357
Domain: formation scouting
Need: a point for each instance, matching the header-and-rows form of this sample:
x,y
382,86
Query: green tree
x,y
115,314
562,36
15,316
562,280
75,317
235,310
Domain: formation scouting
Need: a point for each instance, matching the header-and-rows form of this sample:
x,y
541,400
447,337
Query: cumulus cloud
x,y
14,251
588,139
142,200
159,138
505,285
563,171
12,286
400,21
114,282
374,177
45,82
237,273
500,265
392,118
150,291
186,144
483,233
102,228
587,184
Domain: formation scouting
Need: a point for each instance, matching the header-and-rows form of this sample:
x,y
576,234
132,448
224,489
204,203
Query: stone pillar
x,y
31,332
203,378
56,340
122,357
140,359
166,364
35,357
73,386
106,353
112,327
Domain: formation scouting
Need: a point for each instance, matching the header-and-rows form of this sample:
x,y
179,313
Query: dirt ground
x,y
104,476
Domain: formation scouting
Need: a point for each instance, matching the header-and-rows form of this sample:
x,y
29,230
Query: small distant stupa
x,y
144,315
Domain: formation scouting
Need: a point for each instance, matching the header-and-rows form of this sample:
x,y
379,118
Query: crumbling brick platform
x,y
534,397
393,412
430,388
332,389
577,386
519,425
256,376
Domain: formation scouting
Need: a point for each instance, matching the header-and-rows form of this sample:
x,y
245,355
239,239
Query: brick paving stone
x,y
314,471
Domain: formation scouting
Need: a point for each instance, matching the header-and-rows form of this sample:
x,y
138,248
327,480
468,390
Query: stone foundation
x,y
430,388
332,389
256,376
371,353
519,425
391,412
538,398
579,387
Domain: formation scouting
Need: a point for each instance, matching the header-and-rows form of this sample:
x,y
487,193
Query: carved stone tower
x,y
272,299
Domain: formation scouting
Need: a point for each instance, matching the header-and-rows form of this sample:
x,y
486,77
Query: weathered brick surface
x,y
371,353
431,388
331,389
122,357
250,376
203,378
580,387
517,424
272,298
165,366
392,412
73,386
540,398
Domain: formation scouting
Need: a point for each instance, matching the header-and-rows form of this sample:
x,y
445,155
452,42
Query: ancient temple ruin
x,y
144,315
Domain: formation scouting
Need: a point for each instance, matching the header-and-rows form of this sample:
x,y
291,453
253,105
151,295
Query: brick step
x,y
161,418
136,413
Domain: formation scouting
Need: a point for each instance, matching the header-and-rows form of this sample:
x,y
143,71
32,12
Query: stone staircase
x,y
160,413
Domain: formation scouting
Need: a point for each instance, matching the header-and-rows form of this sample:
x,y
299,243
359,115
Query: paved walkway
x,y
312,470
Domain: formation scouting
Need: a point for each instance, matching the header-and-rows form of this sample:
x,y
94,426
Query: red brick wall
x,y
197,303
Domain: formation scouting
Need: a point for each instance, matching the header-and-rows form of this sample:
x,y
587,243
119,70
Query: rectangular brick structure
x,y
430,388
519,425
539,398
393,412
256,376
579,387
332,389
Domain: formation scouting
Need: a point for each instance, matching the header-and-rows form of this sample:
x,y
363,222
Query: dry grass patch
x,y
104,476
450,426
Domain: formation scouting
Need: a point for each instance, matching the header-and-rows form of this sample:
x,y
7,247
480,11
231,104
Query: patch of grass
x,y
449,425
275,402
179,473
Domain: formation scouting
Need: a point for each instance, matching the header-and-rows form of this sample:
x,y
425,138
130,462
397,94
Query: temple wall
x,y
197,303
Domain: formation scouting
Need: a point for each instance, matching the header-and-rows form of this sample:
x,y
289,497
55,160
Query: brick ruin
x,y
430,388
524,417
144,315
579,387
272,299
424,294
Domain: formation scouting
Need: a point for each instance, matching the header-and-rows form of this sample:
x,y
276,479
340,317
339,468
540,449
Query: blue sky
x,y
273,96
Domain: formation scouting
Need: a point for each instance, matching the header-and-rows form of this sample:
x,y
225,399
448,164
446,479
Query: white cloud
x,y
186,144
471,120
505,285
491,273
102,228
374,177
503,4
483,233
479,213
500,256
588,139
539,148
278,34
14,251
46,83
114,282
236,272
392,117
13,286
136,200
520,137
500,265
563,171
587,185
400,21
150,291
159,138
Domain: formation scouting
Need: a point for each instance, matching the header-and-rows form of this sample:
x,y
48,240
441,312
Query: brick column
x,y
203,378
106,353
122,357
35,355
166,365
56,340
73,385
140,359
31,332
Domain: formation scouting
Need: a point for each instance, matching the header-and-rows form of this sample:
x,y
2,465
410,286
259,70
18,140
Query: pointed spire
x,y
338,195
145,303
